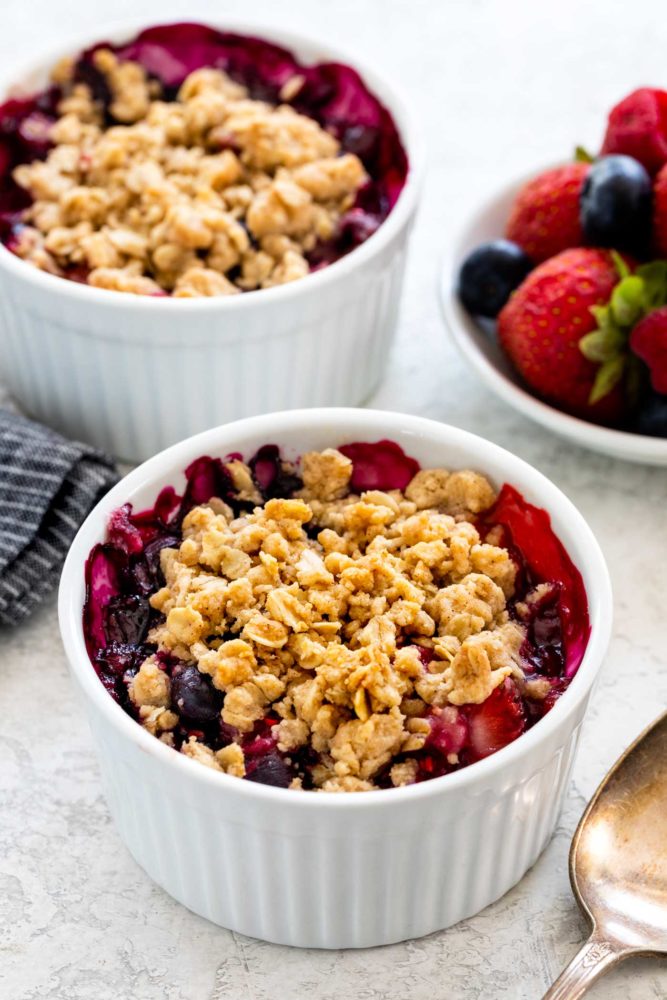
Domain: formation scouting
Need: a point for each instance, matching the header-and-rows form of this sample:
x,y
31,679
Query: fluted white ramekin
x,y
134,374
322,869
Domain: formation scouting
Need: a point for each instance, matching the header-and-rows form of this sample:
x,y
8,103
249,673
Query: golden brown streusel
x,y
317,609
206,195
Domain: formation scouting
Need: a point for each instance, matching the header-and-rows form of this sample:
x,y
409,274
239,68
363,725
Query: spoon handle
x,y
590,962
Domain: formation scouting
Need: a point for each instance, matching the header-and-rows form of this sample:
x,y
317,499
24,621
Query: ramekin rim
x,y
411,135
177,457
512,393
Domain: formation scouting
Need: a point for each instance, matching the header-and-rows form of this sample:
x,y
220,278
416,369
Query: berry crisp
x,y
192,162
344,622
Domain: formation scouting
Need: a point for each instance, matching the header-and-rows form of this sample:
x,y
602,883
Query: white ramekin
x,y
134,374
337,870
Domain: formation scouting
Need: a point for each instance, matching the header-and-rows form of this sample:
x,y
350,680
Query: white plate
x,y
484,354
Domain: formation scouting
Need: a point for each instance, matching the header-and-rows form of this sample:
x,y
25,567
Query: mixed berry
x,y
579,283
271,697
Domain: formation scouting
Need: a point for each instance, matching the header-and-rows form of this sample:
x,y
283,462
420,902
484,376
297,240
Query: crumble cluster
x,y
212,193
318,609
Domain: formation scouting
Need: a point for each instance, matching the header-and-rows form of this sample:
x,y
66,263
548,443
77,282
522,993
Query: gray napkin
x,y
47,487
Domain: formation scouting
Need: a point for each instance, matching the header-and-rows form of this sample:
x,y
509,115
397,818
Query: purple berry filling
x,y
333,94
125,569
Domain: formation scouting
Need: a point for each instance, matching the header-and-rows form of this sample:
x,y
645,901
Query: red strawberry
x,y
496,722
648,340
545,215
543,322
660,212
637,126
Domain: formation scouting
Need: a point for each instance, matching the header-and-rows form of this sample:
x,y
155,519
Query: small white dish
x,y
348,870
483,353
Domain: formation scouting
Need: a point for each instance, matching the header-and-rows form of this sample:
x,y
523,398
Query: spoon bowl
x,y
618,864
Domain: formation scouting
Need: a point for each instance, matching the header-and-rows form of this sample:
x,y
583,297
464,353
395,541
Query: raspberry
x,y
648,340
637,126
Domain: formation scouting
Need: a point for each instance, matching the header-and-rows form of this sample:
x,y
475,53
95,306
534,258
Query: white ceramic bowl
x,y
351,869
489,361
134,374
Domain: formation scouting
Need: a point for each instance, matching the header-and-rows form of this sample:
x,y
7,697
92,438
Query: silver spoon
x,y
618,865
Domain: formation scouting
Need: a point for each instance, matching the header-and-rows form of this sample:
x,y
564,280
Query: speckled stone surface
x,y
500,86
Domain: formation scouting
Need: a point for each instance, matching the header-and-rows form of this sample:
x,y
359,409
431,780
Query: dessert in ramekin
x,y
344,622
196,163
436,830
188,164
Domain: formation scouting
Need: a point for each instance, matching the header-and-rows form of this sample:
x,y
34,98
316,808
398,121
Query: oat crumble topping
x,y
209,194
319,609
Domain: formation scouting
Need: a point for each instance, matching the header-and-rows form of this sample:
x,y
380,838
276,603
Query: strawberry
x,y
648,341
542,324
637,126
545,215
496,722
660,213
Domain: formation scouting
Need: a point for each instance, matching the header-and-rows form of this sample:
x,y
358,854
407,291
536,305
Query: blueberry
x,y
652,416
118,657
193,695
355,227
152,569
271,476
616,204
270,770
126,619
116,665
96,81
489,275
362,140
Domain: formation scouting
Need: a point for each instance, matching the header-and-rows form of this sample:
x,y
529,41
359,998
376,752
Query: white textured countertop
x,y
501,85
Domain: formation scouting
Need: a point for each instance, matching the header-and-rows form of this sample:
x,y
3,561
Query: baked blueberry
x,y
270,770
127,619
193,696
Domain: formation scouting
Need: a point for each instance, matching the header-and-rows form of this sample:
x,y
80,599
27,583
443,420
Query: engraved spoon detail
x,y
618,865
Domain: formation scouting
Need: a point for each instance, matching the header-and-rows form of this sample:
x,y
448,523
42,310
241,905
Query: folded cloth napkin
x,y
47,487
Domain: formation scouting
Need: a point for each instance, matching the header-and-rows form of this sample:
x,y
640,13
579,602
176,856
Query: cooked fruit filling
x,y
346,622
193,163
